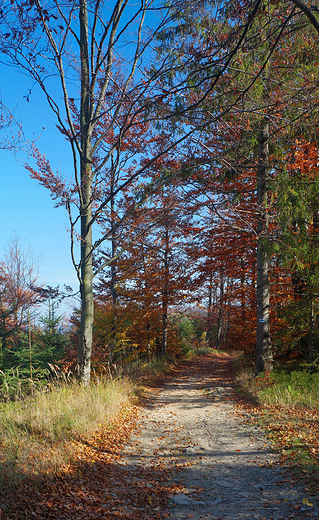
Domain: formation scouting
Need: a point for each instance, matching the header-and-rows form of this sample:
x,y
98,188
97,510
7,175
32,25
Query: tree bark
x,y
165,292
209,333
221,312
87,307
86,268
164,326
242,290
263,345
113,268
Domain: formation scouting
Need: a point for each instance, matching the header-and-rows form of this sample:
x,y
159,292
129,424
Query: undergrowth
x,y
36,435
42,421
282,387
288,408
40,424
141,370
202,350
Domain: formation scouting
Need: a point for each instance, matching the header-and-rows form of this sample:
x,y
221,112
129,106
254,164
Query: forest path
x,y
227,469
188,451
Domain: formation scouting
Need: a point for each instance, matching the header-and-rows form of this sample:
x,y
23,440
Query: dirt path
x,y
227,469
190,455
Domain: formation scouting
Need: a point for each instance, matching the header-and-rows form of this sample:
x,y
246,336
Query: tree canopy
x,y
193,134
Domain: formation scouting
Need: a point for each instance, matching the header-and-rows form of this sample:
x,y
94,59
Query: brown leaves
x,y
95,484
294,433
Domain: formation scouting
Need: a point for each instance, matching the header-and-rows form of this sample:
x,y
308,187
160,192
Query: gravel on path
x,y
222,465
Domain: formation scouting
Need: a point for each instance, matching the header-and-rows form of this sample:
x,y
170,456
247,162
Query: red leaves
x,y
60,190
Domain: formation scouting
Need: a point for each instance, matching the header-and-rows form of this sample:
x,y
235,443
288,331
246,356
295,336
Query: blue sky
x,y
26,208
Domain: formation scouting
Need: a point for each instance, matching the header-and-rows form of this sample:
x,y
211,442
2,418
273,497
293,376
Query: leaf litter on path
x,y
187,452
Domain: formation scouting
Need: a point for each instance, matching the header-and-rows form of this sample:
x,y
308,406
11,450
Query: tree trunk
x,y
164,325
242,290
219,327
221,312
165,292
165,306
314,249
113,269
263,346
209,333
148,328
87,307
86,270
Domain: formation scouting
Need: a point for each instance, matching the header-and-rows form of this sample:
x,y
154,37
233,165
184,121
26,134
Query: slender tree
x,y
75,52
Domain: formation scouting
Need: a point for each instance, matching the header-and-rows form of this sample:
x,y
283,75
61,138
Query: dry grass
x,y
141,370
41,433
37,435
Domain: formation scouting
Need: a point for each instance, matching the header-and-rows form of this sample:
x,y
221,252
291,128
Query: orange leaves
x,y
304,157
295,433
59,189
95,484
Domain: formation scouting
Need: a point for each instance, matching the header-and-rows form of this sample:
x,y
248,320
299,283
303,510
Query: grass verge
x,y
38,435
286,404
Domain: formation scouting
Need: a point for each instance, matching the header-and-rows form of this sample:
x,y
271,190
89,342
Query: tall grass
x,y
283,387
141,370
289,413
297,389
36,435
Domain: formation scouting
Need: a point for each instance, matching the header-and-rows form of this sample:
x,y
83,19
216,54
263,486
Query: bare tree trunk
x,y
86,282
314,249
113,268
165,293
264,355
164,326
229,286
148,328
87,307
209,333
221,312
145,305
242,290
219,327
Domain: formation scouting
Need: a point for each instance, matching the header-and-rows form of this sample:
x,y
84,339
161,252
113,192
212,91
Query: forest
x,y
193,201
193,211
